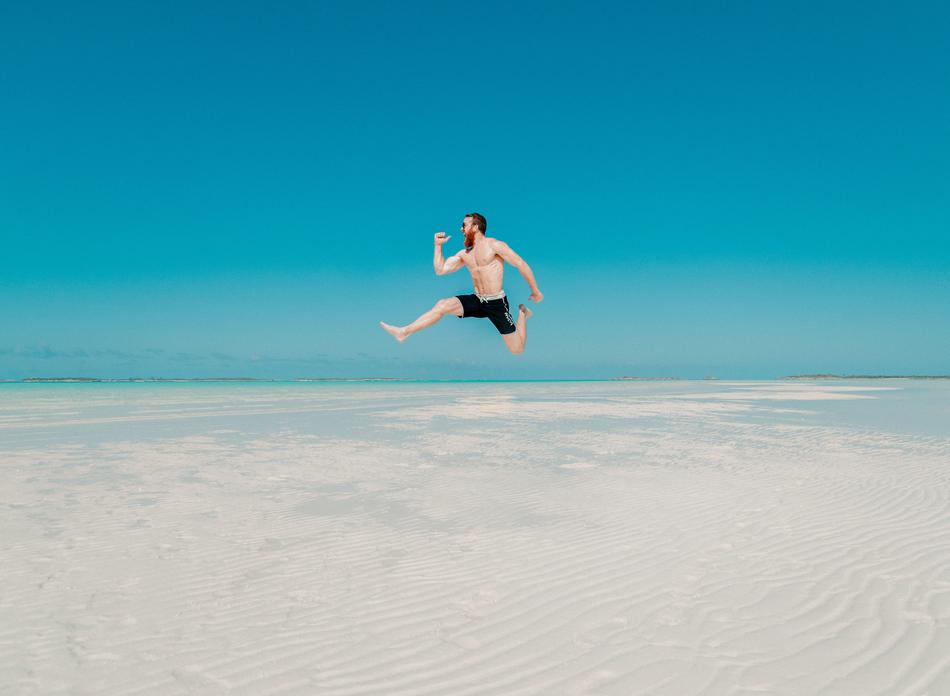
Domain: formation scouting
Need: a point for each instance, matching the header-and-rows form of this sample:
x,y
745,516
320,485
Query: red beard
x,y
470,239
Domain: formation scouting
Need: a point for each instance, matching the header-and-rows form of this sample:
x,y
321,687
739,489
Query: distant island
x,y
108,380
830,376
625,378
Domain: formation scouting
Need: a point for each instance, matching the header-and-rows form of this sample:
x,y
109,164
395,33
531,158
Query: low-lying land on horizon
x,y
832,376
821,376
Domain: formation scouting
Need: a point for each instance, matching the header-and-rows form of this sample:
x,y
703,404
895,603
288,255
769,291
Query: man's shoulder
x,y
497,243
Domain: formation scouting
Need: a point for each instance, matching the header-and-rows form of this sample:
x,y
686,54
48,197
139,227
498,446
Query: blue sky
x,y
738,189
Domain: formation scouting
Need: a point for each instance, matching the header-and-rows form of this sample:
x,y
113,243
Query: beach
x,y
606,538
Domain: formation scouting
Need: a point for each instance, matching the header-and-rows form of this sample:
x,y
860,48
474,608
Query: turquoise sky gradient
x,y
742,189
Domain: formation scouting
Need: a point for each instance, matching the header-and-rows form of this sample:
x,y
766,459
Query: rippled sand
x,y
561,538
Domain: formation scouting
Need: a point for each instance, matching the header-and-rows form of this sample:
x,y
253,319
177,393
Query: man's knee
x,y
516,350
446,306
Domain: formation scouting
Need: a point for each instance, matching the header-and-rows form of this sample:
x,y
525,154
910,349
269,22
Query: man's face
x,y
469,230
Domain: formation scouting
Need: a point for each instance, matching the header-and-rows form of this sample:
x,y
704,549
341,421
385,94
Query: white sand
x,y
618,538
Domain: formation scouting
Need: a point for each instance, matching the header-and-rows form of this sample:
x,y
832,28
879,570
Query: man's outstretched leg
x,y
516,341
450,305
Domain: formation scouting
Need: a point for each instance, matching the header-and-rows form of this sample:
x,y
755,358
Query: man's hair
x,y
479,221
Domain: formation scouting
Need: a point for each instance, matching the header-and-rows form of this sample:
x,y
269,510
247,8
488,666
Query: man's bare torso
x,y
485,265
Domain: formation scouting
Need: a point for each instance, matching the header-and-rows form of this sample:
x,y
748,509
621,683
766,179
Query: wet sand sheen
x,y
472,539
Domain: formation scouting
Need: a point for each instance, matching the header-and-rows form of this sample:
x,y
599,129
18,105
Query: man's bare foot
x,y
524,310
398,333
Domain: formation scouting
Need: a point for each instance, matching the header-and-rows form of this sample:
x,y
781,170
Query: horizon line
x,y
229,379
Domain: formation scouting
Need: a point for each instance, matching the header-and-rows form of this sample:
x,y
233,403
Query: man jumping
x,y
484,257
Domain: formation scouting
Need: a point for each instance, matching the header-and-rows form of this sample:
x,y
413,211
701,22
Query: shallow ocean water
x,y
476,538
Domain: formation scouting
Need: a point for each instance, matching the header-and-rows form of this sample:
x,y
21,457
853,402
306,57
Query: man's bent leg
x,y
517,341
449,305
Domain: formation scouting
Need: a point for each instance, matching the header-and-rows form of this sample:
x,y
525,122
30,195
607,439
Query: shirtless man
x,y
484,257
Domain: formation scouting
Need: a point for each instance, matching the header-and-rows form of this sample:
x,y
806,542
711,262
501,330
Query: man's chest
x,y
481,263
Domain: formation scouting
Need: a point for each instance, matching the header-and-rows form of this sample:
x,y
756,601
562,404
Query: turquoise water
x,y
32,413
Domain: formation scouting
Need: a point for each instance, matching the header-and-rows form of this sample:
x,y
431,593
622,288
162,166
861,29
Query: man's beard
x,y
470,239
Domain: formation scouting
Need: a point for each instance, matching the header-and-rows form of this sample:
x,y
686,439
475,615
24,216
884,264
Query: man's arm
x,y
509,255
441,265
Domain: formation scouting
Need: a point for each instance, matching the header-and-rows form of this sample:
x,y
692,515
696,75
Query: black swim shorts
x,y
496,310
